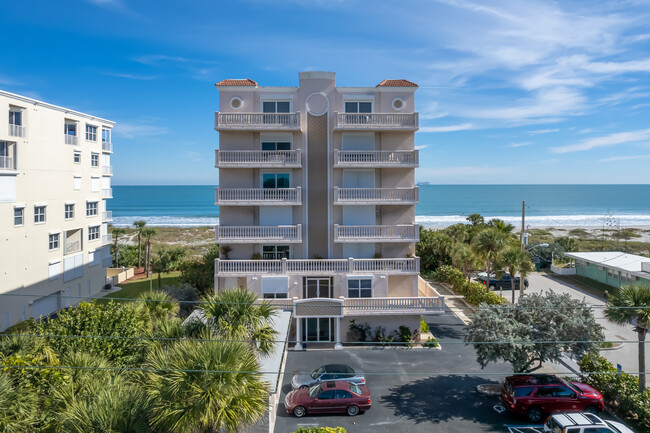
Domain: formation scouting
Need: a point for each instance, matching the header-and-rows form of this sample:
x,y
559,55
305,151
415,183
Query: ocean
x,y
440,205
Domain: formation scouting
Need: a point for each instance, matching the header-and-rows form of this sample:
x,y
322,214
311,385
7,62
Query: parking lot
x,y
413,390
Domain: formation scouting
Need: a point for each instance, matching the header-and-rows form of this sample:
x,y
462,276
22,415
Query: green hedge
x,y
320,430
475,294
621,394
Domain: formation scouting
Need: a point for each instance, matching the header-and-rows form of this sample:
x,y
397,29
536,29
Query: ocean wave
x,y
166,221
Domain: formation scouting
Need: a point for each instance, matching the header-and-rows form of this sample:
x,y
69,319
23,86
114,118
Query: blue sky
x,y
513,91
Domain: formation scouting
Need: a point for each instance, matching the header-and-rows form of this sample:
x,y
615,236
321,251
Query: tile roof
x,y
242,82
397,83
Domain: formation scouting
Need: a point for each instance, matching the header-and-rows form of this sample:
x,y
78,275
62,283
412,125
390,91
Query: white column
x,y
298,345
338,344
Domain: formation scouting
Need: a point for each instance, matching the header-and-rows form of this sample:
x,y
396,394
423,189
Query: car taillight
x,y
363,380
484,283
368,400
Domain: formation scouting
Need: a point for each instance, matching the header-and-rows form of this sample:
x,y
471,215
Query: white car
x,y
582,423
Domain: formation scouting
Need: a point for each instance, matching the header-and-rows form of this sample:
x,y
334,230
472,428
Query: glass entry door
x,y
318,288
317,329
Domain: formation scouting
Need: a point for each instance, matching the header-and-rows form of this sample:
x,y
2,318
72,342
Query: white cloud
x,y
542,131
131,76
134,130
520,144
605,141
624,158
448,128
421,147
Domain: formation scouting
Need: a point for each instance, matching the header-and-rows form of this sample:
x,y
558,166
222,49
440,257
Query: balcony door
x,y
317,288
317,329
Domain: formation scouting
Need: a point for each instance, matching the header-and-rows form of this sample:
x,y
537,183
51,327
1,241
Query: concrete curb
x,y
490,389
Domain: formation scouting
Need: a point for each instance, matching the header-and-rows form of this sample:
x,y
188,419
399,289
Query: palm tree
x,y
18,407
204,387
148,233
514,260
117,232
235,314
631,304
501,225
158,305
466,260
139,226
487,245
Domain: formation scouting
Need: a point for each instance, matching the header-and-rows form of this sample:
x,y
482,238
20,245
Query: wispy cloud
x,y
543,131
448,128
421,146
136,130
132,76
605,141
157,59
624,158
520,144
114,5
193,156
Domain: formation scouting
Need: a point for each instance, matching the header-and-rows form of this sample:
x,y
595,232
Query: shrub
x,y
404,335
183,292
475,293
424,326
431,342
359,332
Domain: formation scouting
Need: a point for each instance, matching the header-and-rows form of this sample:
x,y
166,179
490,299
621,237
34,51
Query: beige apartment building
x,y
55,177
317,203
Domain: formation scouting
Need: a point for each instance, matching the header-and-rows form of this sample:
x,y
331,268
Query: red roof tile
x,y
244,82
397,83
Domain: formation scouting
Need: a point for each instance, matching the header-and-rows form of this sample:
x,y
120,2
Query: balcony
x,y
107,239
72,247
71,139
257,158
107,193
257,121
377,196
258,196
376,158
107,216
107,170
16,130
376,306
379,233
317,267
376,121
7,162
107,146
258,234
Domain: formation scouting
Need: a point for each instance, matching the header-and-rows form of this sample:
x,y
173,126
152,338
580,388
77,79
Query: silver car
x,y
327,372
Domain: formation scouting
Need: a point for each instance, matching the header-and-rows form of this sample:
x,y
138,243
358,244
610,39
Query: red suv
x,y
334,396
536,395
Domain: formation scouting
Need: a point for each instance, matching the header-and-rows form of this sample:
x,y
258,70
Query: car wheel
x,y
353,410
592,409
534,414
492,288
299,411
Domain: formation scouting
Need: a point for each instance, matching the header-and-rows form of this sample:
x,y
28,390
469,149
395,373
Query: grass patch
x,y
579,233
606,345
135,287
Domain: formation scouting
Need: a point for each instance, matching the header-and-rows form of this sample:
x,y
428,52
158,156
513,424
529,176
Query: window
x,y
77,157
71,128
19,216
91,133
94,159
341,393
69,211
275,296
358,107
562,391
276,107
275,252
275,180
54,241
6,155
39,214
524,391
91,208
276,145
360,288
76,183
93,233
326,395
15,116
106,135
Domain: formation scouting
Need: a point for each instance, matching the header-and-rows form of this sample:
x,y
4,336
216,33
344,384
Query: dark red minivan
x,y
539,394
334,396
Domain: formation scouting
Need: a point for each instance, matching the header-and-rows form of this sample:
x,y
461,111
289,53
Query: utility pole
x,y
523,224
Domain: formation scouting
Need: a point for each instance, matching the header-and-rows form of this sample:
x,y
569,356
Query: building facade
x,y
55,178
613,268
317,202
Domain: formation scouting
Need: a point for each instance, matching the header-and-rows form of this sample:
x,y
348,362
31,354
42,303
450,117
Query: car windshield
x,y
314,390
314,374
355,388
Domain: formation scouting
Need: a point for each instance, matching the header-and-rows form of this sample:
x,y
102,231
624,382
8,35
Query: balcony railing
x,y
7,162
257,196
376,306
409,266
257,158
379,196
256,121
107,193
107,216
107,146
72,247
377,121
376,158
378,233
107,170
107,239
256,234
71,139
16,130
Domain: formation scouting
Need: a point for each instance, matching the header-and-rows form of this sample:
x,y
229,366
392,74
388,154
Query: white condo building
x,y
55,177
317,203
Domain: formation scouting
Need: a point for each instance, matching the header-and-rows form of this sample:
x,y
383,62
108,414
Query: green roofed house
x,y
613,268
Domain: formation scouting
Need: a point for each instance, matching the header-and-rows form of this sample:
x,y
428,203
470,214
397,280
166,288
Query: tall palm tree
x,y
631,305
487,244
117,232
235,314
514,260
465,259
148,233
204,387
139,226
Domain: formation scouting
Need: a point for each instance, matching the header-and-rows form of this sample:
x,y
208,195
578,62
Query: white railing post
x,y
284,265
351,265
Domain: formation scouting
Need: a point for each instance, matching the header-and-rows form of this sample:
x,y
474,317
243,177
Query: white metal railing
x,y
257,158
72,247
108,238
107,169
318,266
107,215
257,196
7,162
257,121
254,234
406,196
107,146
70,139
369,306
376,158
405,121
377,233
107,193
16,130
